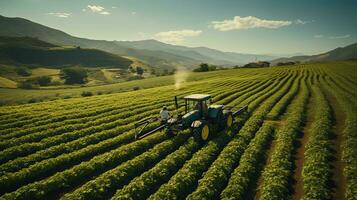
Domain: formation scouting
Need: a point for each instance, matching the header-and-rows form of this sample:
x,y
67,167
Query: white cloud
x,y
318,36
105,13
340,36
114,7
302,22
248,22
299,21
83,9
177,36
95,8
61,14
133,13
98,9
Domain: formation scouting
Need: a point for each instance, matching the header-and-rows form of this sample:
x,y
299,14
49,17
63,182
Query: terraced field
x,y
298,142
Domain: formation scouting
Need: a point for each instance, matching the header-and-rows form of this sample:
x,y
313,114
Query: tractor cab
x,y
197,103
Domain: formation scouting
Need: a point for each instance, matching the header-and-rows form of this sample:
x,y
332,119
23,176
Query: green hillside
x,y
341,53
31,51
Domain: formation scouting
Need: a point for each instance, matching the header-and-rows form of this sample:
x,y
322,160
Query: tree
x,y
212,68
27,84
203,68
139,71
74,75
23,71
86,94
44,80
165,72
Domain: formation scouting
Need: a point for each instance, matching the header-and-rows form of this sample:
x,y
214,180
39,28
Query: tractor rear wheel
x,y
201,133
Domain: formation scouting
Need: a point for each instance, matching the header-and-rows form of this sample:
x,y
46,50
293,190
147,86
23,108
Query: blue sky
x,y
254,26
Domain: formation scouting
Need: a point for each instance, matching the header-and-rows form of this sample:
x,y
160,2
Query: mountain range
x,y
152,52
158,54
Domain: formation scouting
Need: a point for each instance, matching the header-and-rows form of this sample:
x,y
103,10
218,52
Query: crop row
x,y
250,163
317,168
81,116
280,107
70,114
40,117
181,183
241,94
79,173
346,86
216,178
107,120
278,172
287,82
28,148
349,153
183,187
118,125
176,187
110,105
64,148
105,185
144,185
75,158
348,92
50,166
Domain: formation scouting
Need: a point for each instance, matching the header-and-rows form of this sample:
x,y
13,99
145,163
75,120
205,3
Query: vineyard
x,y
297,142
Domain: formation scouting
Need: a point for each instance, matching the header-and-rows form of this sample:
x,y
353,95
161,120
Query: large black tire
x,y
201,133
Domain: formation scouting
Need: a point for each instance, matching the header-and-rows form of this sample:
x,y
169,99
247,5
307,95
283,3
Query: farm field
x,y
298,142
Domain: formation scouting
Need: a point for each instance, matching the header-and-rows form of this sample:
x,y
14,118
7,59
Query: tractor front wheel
x,y
201,133
229,120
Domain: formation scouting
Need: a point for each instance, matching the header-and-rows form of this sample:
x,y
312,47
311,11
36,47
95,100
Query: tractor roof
x,y
198,97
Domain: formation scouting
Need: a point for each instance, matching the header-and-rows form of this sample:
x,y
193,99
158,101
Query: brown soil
x,y
278,123
260,180
299,156
338,178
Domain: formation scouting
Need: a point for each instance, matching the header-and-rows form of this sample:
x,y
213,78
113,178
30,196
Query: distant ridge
x,y
341,53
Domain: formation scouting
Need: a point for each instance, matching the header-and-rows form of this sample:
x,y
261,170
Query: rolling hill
x,y
341,53
31,51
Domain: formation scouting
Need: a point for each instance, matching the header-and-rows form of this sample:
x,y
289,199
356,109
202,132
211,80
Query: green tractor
x,y
200,117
